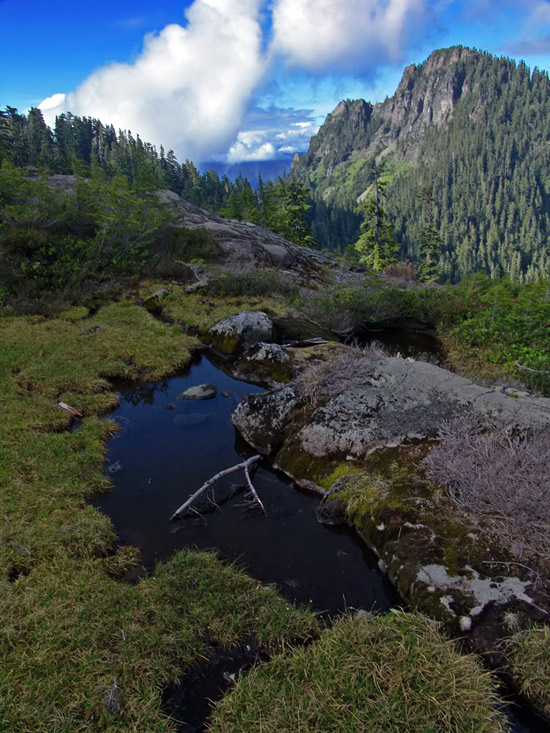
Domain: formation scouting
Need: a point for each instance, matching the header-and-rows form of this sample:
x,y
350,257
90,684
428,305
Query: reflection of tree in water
x,y
145,393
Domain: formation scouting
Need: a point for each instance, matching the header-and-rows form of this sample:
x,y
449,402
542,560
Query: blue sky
x,y
238,79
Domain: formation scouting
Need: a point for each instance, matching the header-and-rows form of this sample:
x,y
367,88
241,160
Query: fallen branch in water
x,y
244,465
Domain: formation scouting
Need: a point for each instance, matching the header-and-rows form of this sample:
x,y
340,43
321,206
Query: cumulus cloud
x,y
316,34
190,86
272,133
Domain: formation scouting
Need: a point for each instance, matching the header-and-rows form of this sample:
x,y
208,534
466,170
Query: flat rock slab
x,y
200,392
394,401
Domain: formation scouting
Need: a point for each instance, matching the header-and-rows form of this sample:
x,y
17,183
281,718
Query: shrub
x,y
500,480
253,283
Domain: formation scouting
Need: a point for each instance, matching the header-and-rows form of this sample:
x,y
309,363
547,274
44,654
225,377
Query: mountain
x,y
468,130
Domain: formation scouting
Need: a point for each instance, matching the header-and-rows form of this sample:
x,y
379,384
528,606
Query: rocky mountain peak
x,y
426,95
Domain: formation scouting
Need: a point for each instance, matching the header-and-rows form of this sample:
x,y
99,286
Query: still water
x,y
167,448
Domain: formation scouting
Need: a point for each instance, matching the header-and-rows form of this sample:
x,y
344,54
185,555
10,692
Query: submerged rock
x,y
200,392
235,334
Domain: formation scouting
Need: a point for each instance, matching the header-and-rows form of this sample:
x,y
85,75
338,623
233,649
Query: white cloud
x,y
250,146
56,101
190,86
349,34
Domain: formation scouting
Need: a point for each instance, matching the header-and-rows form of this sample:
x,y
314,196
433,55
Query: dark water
x,y
161,456
421,345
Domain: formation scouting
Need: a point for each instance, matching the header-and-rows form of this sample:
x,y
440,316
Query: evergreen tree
x,y
376,244
428,240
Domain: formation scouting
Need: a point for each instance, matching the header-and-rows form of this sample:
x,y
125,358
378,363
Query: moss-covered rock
x,y
235,334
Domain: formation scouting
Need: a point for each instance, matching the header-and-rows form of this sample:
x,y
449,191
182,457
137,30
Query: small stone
x,y
227,394
200,392
169,406
465,623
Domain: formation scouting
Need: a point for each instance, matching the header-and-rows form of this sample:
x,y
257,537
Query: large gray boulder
x,y
372,403
235,334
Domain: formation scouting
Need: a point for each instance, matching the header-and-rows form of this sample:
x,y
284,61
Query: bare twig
x,y
244,465
253,490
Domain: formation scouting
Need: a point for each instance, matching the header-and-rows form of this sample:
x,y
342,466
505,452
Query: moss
x,y
336,470
197,312
76,313
279,372
226,343
68,625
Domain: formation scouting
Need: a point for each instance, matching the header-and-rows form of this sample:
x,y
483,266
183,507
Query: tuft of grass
x,y
391,673
529,657
68,630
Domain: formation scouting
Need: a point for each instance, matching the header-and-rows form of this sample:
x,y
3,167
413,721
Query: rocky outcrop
x,y
390,401
245,245
426,96
235,334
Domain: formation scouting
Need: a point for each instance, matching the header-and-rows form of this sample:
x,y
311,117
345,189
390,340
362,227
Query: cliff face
x,y
426,96
345,131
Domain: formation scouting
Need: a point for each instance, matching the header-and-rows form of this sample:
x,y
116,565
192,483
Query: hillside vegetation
x,y
470,129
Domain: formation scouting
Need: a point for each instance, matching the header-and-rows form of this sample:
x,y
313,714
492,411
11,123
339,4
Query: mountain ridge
x,y
471,128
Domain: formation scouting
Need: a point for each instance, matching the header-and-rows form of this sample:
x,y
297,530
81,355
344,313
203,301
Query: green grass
x,y
197,312
503,332
529,658
392,673
69,624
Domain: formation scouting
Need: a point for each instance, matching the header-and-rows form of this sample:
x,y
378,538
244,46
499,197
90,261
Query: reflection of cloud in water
x,y
124,424
114,467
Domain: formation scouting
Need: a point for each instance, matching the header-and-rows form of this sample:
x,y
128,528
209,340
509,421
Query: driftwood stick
x,y
253,490
528,369
212,480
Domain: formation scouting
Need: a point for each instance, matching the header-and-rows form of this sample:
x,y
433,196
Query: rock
x,y
169,406
200,392
237,333
262,418
266,352
395,401
244,245
156,297
331,510
287,329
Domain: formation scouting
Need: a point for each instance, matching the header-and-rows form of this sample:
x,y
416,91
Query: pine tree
x,y
429,240
376,244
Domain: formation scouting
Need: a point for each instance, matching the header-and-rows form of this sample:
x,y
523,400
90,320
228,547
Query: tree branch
x,y
244,465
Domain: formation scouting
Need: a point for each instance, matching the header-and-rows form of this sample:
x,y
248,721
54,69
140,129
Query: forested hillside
x,y
87,148
465,147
